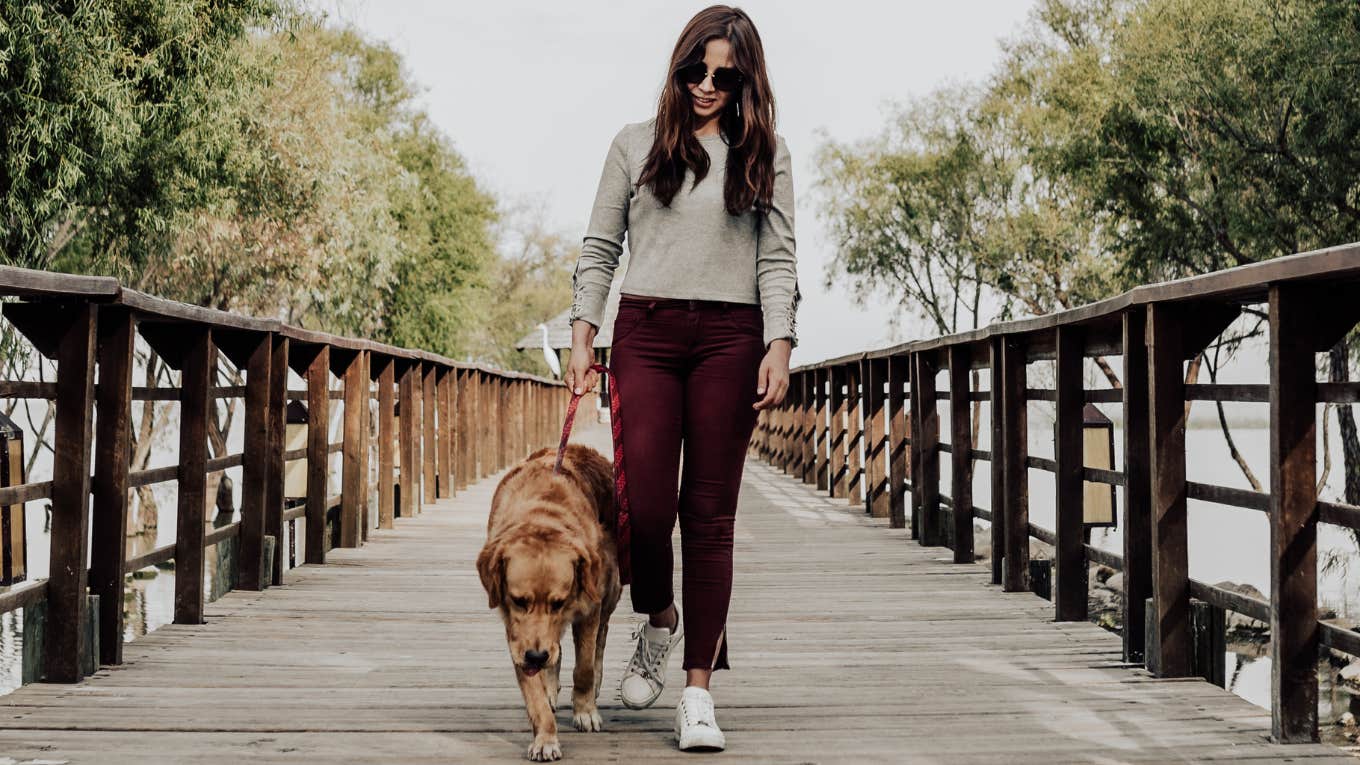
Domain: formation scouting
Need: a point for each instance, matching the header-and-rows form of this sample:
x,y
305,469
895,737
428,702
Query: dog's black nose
x,y
535,658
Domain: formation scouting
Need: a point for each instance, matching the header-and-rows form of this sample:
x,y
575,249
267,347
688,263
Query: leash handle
x,y
622,526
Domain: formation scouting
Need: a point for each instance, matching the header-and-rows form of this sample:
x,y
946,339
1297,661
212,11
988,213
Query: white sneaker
x,y
645,675
695,726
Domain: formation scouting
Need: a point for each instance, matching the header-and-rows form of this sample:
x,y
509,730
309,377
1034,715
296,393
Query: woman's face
x,y
708,101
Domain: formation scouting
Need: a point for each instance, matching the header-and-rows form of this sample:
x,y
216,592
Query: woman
x,y
702,337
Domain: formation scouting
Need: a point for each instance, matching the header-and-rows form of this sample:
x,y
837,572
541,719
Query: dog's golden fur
x,y
549,561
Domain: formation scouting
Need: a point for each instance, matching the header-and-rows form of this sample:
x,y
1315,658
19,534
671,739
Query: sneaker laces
x,y
701,708
646,659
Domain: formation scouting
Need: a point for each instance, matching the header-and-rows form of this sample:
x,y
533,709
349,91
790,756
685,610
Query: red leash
x,y
621,534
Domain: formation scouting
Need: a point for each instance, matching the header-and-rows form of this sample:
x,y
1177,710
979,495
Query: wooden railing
x,y
459,422
835,431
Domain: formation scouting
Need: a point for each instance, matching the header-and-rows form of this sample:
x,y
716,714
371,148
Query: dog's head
x,y
540,577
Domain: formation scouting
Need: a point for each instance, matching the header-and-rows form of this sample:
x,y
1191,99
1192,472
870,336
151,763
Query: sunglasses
x,y
725,78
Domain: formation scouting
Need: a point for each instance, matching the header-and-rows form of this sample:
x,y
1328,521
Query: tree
x,y
530,280
909,209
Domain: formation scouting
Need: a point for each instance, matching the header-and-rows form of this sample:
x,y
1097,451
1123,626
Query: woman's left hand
x,y
772,381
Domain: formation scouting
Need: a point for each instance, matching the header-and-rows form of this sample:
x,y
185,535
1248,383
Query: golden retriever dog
x,y
550,561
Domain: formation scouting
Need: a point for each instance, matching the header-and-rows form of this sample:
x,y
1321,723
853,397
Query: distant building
x,y
559,340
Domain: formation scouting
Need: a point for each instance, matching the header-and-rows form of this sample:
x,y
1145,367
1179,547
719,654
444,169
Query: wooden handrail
x,y
90,325
816,435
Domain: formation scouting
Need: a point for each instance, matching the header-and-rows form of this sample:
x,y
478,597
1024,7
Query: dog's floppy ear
x,y
589,571
490,566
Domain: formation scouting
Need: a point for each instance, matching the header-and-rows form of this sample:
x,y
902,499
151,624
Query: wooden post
x,y
458,394
318,452
876,496
278,411
113,452
806,427
353,470
800,388
387,421
406,439
492,424
914,456
195,406
521,420
255,466
1208,624
429,450
443,471
961,451
1170,657
1014,450
765,435
822,467
1293,516
854,439
801,423
780,456
481,443
502,422
366,444
837,433
512,413
793,430
422,473
928,479
898,440
462,427
1070,571
476,439
67,605
1137,486
997,466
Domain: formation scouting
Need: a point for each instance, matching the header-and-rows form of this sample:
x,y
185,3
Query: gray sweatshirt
x,y
694,248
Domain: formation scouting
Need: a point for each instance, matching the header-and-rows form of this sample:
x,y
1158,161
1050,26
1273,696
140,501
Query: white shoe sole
x,y
702,739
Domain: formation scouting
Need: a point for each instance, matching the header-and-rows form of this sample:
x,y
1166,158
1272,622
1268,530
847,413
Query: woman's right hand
x,y
578,375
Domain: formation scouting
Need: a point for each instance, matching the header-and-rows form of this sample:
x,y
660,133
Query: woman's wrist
x,y
583,334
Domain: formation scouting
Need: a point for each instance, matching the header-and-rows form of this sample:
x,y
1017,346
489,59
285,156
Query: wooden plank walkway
x,y
848,644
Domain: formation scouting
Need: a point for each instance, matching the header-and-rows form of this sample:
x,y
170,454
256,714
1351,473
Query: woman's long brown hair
x,y
750,135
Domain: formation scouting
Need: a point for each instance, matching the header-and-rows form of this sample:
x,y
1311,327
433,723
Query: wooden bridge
x,y
849,643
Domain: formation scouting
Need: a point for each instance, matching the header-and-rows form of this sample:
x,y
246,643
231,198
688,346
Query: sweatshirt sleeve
x,y
776,261
603,243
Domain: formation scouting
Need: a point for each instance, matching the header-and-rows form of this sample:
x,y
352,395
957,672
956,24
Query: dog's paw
x,y
588,721
545,749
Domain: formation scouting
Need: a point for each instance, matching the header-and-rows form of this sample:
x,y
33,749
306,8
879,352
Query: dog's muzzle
x,y
534,661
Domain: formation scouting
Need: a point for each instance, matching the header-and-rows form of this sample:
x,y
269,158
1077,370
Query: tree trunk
x,y
1339,358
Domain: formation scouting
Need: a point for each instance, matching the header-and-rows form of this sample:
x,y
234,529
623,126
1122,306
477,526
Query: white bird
x,y
549,354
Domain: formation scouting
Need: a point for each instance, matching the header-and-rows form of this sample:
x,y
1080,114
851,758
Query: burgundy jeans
x,y
686,375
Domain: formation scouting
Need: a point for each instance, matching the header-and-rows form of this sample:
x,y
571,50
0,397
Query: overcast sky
x,y
531,93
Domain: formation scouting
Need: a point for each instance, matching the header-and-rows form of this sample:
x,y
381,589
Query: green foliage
x,y
242,155
906,208
1231,133
448,245
530,282
117,117
1120,142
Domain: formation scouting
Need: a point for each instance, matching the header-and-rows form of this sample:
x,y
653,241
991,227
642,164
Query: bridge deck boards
x,y
848,644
